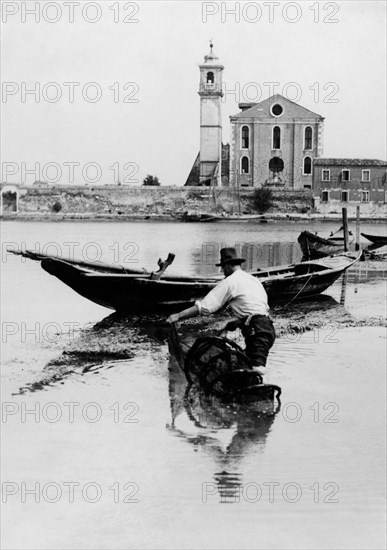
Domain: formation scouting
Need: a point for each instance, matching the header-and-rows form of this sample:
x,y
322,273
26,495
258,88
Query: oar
x,y
162,267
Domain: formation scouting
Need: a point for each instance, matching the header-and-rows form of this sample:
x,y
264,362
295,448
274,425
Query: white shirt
x,y
242,292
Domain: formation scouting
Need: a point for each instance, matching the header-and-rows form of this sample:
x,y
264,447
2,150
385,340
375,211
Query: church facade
x,y
274,143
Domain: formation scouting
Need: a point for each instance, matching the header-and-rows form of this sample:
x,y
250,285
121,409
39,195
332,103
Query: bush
x,y
262,199
151,180
57,207
194,194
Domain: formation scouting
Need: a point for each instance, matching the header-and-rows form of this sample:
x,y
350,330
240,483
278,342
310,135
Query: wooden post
x,y
343,288
357,246
345,228
239,198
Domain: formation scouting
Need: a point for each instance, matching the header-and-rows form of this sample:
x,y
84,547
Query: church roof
x,y
349,162
262,110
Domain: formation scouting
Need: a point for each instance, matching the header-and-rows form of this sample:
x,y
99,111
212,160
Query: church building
x,y
274,142
279,144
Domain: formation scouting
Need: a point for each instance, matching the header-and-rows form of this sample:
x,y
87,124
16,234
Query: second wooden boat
x,y
314,246
376,239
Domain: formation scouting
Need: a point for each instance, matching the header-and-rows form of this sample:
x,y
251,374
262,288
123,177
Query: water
x,y
311,475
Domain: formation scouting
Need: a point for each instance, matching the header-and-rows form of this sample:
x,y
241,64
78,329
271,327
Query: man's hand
x,y
185,314
173,318
233,324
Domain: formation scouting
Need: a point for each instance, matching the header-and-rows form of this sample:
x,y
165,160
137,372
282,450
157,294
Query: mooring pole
x,y
343,288
239,195
345,228
357,246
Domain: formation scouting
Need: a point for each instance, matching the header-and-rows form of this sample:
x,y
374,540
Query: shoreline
x,y
266,218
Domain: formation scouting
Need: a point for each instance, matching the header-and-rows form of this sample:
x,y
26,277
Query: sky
x,y
115,83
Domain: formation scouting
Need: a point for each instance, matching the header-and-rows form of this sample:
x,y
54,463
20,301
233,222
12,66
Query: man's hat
x,y
229,255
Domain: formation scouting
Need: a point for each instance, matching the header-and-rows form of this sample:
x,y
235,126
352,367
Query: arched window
x,y
307,165
245,137
276,137
245,165
308,138
210,77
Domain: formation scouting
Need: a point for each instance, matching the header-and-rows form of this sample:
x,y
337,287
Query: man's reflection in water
x,y
211,421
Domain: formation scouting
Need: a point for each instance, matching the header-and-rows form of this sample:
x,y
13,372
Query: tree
x,y
151,180
262,199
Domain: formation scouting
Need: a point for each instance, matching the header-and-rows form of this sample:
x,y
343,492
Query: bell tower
x,y
210,92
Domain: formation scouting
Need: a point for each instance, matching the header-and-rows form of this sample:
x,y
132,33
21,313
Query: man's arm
x,y
214,300
185,314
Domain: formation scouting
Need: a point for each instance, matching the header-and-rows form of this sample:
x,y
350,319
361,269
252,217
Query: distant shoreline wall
x,y
115,201
123,201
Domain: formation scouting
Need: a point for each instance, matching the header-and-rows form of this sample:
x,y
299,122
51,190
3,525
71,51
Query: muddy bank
x,y
120,337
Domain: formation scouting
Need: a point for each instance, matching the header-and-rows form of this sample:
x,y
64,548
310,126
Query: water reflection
x,y
260,255
363,272
257,255
228,433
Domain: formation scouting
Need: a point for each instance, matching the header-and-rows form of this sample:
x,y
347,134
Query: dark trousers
x,y
259,336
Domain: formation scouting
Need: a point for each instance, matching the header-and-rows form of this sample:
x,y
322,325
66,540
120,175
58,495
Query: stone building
x,y
274,142
9,198
350,182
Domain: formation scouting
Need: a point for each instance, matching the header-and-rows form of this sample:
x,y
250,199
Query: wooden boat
x,y
313,246
128,291
376,239
205,218
199,217
239,218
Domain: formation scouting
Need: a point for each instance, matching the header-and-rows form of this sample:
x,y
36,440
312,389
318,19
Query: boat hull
x,y
313,246
134,293
376,239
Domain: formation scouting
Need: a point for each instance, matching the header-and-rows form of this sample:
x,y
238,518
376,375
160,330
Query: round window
x,y
277,109
276,164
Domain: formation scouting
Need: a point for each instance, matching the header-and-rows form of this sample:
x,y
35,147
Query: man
x,y
248,300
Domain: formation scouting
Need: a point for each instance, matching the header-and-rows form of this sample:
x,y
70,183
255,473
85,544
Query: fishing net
x,y
220,367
